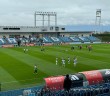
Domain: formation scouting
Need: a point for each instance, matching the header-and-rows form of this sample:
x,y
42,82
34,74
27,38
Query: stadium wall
x,y
73,33
52,31
13,34
31,29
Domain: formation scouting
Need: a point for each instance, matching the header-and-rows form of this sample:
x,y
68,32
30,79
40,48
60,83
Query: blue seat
x,y
31,94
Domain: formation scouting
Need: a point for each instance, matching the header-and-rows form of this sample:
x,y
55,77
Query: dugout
x,y
105,74
96,76
93,77
54,83
77,80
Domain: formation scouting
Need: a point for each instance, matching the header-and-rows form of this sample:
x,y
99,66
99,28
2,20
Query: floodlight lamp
x,y
98,10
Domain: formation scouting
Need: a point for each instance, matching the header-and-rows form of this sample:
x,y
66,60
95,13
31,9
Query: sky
x,y
69,12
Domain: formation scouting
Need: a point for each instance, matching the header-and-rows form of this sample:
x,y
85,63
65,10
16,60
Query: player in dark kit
x,y
35,69
72,48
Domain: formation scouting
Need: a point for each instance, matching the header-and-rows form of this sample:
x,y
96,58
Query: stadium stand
x,y
46,40
93,90
24,40
5,41
1,41
75,39
32,39
84,39
55,39
23,92
8,41
65,39
93,39
12,40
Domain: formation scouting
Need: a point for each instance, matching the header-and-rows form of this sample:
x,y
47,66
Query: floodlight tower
x,y
35,19
98,20
43,15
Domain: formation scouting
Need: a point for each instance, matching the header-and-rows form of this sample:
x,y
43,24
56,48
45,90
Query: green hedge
x,y
103,37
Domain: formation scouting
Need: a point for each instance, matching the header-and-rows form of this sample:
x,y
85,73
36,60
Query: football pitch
x,y
17,67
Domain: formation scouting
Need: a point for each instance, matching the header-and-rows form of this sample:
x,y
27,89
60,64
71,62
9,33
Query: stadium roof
x,y
87,28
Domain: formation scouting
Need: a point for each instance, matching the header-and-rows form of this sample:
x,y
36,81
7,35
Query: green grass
x,y
16,67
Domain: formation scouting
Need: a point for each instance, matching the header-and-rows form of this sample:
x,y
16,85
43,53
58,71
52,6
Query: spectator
x,y
67,83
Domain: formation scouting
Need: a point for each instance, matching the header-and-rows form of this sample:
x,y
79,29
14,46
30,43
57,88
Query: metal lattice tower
x,y
43,15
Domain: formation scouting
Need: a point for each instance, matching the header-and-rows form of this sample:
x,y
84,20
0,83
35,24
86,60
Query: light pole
x,y
98,20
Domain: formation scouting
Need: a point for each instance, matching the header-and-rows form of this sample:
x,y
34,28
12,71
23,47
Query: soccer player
x,y
75,61
42,48
24,50
72,48
63,62
56,61
35,69
89,47
80,47
68,60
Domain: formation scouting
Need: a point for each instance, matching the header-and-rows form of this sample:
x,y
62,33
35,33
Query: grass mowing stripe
x,y
42,64
91,55
6,77
98,58
19,70
69,66
51,57
97,64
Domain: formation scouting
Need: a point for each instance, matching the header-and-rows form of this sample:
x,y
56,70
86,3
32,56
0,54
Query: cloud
x,y
70,12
